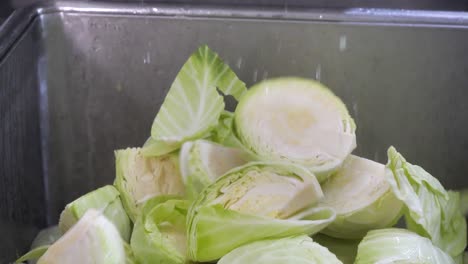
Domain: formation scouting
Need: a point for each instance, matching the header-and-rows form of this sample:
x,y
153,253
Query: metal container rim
x,y
19,21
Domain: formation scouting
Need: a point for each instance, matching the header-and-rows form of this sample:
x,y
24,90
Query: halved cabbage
x,y
93,239
430,210
362,199
159,235
193,105
254,202
394,245
344,249
296,120
298,250
139,178
202,162
105,199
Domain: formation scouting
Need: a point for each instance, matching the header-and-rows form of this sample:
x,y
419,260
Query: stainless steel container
x,y
78,80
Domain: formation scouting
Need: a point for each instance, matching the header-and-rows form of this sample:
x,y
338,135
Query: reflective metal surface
x,y
82,79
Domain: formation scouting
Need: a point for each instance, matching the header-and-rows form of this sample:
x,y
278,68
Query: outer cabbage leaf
x,y
298,121
362,199
344,249
193,105
298,250
105,199
431,211
33,254
159,235
395,245
40,244
254,202
46,237
155,148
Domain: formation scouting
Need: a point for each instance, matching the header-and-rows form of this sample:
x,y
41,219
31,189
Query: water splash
x,y
355,109
147,58
318,72
239,63
342,45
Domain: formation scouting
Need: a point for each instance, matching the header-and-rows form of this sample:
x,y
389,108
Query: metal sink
x,y
78,80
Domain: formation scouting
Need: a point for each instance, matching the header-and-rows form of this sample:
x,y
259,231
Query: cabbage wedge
x,y
254,202
93,239
296,120
430,210
193,104
159,235
106,200
202,162
394,245
139,178
362,199
298,250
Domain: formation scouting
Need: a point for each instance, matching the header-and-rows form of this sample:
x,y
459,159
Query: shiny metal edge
x,y
351,15
13,28
18,22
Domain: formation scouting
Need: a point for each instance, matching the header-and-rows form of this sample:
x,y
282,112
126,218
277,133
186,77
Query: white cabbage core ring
x,y
297,120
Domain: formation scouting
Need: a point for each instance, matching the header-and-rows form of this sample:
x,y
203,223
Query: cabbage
x,y
105,199
254,202
430,210
93,239
139,178
202,162
159,235
193,105
395,245
296,120
344,249
46,237
362,199
33,254
298,250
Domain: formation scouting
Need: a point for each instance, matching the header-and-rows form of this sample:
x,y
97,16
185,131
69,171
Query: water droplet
x,y
342,45
318,72
239,63
147,58
255,76
355,109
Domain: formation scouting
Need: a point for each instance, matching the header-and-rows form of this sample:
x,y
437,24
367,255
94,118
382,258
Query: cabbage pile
x,y
272,182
